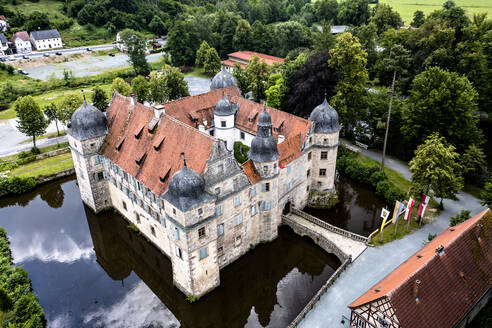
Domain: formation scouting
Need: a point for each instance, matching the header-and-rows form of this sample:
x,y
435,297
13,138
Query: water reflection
x,y
92,271
358,209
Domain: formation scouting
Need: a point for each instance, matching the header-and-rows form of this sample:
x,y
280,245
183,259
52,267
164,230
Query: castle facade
x,y
170,170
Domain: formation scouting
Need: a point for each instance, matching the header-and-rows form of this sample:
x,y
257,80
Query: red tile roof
x,y
250,171
290,149
126,121
449,284
246,55
231,63
22,35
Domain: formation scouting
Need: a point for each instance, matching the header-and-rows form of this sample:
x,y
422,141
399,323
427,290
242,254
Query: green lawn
x,y
389,231
44,167
199,72
406,8
395,177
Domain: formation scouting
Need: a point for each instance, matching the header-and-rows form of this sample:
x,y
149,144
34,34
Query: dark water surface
x,y
358,211
92,271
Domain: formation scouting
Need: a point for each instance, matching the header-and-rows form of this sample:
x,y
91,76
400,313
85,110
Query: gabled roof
x,y
21,35
250,171
290,149
46,34
124,119
247,55
2,17
433,289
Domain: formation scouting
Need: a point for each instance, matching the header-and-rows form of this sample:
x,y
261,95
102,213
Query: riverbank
x,y
19,306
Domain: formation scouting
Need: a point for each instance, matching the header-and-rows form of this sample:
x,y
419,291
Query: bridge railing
x,y
329,227
320,293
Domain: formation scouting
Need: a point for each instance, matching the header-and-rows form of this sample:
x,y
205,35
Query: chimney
x,y
201,128
440,250
133,97
416,286
281,138
159,110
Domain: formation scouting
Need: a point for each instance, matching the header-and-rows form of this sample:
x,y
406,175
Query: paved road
x,y
377,262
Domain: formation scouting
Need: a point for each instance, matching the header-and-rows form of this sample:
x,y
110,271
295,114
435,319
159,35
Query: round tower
x,y
224,116
322,146
223,79
86,133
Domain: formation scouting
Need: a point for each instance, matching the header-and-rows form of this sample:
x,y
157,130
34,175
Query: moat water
x,y
92,271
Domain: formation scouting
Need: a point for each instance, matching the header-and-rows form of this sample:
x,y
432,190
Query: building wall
x,y
22,47
316,144
54,43
374,314
225,133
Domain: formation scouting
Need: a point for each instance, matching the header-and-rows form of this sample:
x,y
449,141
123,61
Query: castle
x,y
170,170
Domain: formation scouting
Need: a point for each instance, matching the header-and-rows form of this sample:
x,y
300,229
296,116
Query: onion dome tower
x,y
224,121
264,152
223,79
325,118
87,131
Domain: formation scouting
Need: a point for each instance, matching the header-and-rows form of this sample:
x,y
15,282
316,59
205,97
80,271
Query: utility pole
x,y
388,119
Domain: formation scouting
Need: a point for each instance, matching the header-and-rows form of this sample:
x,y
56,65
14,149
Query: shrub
x,y
35,151
16,185
240,152
460,217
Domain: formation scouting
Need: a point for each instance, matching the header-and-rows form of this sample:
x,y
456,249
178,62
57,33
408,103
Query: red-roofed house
x,y
443,285
4,23
22,42
244,57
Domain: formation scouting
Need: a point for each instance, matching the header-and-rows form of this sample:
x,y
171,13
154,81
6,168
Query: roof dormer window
x,y
141,159
139,133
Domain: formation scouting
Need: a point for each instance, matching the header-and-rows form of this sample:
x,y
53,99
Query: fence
x,y
330,227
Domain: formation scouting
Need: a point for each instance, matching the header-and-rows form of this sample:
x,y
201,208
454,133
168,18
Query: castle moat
x,y
93,271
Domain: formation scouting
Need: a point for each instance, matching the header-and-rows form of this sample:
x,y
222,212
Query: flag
x,y
399,208
409,209
423,204
384,214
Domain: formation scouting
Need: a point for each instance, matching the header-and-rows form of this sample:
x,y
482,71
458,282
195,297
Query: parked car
x,y
111,54
89,49
2,59
22,72
46,55
25,57
58,53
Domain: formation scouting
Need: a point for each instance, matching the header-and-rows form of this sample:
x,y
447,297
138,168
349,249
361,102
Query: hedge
x,y
240,152
371,175
18,303
16,185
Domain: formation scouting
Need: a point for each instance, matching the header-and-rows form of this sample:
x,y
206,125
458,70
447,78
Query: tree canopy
x,y
30,118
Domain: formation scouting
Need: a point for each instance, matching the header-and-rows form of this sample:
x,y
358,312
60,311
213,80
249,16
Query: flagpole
x,y
409,218
396,226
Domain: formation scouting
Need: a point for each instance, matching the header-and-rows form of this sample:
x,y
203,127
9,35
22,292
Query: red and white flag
x,y
423,204
409,209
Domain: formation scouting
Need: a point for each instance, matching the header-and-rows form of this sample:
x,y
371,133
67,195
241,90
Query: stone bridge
x,y
344,244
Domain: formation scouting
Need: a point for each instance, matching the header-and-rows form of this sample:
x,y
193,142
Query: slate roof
x,y
159,152
450,283
87,122
325,118
3,39
21,35
46,34
222,79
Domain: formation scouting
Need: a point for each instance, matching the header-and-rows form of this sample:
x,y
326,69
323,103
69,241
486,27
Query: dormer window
x,y
165,176
158,143
139,133
141,159
119,144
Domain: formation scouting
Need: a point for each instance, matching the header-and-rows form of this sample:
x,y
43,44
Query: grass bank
x,y
44,167
199,72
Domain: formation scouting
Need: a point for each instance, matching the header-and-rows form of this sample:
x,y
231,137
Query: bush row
x,y
240,152
347,164
18,303
16,185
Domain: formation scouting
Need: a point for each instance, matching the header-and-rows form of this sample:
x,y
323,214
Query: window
x,y
325,140
217,190
201,232
220,249
125,176
265,169
265,187
265,205
238,240
237,200
220,229
324,155
218,210
274,166
138,218
203,253
289,168
176,233
223,124
253,210
178,252
152,230
361,323
200,211
309,156
124,205
322,172
239,219
310,139
220,168
241,135
252,191
211,132
174,211
308,172
97,159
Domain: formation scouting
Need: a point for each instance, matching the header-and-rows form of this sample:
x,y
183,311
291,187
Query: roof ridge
x,y
188,127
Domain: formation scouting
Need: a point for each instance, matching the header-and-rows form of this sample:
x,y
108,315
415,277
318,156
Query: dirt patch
x,y
52,59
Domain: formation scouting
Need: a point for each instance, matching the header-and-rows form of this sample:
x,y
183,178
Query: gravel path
x,y
377,262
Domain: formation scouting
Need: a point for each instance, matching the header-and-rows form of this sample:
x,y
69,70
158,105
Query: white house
x,y
4,23
3,45
119,43
21,42
48,39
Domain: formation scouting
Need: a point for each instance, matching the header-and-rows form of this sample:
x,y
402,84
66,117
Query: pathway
x,y
377,262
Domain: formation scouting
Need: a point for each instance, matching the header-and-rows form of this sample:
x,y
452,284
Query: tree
x,y
37,21
275,91
201,53
137,47
176,85
290,35
385,17
436,167
239,74
257,74
459,218
349,59
99,99
30,118
157,26
474,164
486,194
140,86
397,62
51,112
68,106
418,18
323,39
326,10
261,39
212,62
158,87
121,87
353,12
182,43
242,36
444,102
